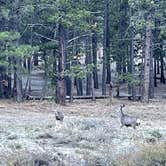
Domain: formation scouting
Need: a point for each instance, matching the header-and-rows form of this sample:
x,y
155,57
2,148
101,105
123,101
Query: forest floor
x,y
89,135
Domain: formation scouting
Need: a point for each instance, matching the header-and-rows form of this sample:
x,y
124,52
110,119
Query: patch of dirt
x,y
90,132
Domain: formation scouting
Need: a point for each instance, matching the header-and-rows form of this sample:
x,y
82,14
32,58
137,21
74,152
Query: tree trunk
x,y
156,34
158,66
68,85
17,59
44,88
36,61
162,65
151,93
147,61
55,78
19,92
88,62
108,72
94,51
29,72
151,90
61,84
129,65
67,67
155,72
106,45
9,78
79,86
72,85
2,82
132,69
93,90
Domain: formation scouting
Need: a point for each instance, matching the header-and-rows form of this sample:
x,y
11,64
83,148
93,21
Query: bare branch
x,y
45,37
77,37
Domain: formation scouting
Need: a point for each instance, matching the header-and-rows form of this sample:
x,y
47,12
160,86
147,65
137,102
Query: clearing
x,y
89,135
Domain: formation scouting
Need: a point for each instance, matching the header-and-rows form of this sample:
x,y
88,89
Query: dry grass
x,y
90,134
153,155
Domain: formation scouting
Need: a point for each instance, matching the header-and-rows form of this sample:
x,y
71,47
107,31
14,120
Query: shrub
x,y
156,134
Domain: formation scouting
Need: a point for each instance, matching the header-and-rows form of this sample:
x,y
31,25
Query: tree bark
x,y
79,86
94,52
158,66
19,92
162,80
151,90
72,85
9,78
132,69
147,60
106,45
17,59
61,84
67,67
88,62
156,35
36,61
155,72
2,79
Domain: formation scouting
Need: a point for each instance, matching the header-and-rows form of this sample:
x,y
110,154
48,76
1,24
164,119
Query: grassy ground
x,y
89,135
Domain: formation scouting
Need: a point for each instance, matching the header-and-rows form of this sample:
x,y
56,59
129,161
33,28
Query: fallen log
x,y
129,96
